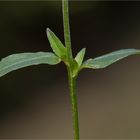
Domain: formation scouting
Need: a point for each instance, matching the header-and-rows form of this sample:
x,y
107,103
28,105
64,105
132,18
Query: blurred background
x,y
35,101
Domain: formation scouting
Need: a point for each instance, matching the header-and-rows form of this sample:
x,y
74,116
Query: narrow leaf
x,y
80,56
56,45
17,61
108,59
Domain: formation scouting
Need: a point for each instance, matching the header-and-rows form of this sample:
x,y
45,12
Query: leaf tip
x,y
84,50
47,30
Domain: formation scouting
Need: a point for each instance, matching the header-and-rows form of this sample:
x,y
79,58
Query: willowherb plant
x,y
64,53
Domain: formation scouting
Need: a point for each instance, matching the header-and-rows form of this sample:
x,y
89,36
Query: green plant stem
x,y
72,86
72,80
66,25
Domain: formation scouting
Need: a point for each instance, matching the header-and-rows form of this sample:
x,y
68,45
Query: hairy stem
x,y
66,28
72,80
72,86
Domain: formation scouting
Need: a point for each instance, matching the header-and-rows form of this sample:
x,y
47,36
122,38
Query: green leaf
x,y
108,59
17,61
80,56
74,67
56,45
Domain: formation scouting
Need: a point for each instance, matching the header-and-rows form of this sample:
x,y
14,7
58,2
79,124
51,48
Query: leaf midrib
x,y
23,62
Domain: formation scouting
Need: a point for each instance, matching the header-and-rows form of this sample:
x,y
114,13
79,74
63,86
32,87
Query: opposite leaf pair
x,y
96,63
17,61
61,51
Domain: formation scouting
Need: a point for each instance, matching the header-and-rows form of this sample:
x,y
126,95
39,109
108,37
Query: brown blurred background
x,y
35,102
